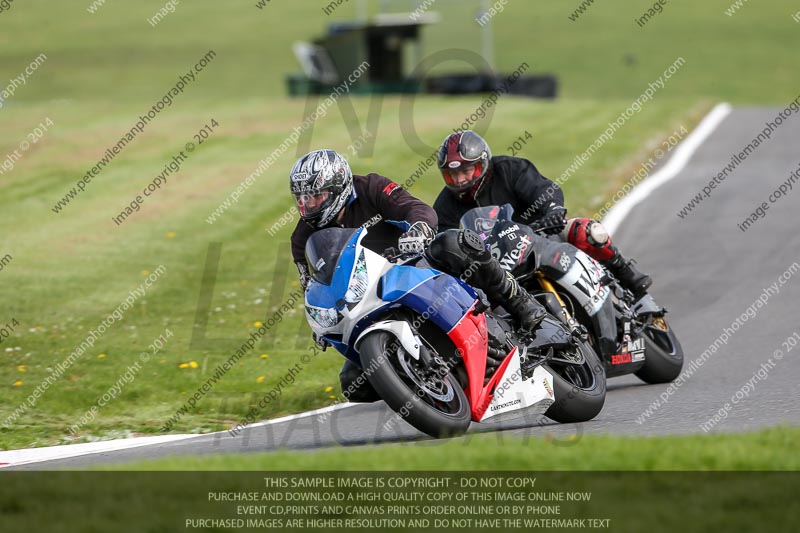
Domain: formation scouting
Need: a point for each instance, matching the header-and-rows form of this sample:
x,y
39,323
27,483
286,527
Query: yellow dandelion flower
x,y
170,235
18,383
22,368
193,364
101,356
257,324
264,356
183,365
328,389
332,397
162,361
260,379
145,272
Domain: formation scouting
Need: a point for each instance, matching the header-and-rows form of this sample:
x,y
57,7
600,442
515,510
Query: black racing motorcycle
x,y
630,336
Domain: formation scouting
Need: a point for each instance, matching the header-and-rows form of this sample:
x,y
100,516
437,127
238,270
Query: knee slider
x,y
445,253
597,233
472,244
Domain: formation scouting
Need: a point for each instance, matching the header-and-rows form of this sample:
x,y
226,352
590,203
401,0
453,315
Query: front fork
x,y
560,310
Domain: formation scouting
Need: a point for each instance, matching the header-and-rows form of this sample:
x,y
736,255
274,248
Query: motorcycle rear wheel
x,y
439,408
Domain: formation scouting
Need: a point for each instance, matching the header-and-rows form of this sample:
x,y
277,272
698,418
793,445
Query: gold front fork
x,y
547,286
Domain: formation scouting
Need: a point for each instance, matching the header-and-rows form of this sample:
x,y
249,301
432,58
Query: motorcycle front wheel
x,y
433,402
663,354
579,389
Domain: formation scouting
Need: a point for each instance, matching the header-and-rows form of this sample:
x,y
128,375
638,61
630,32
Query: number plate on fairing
x,y
582,281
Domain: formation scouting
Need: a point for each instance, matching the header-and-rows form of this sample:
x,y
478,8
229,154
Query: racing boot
x,y
629,276
501,287
516,300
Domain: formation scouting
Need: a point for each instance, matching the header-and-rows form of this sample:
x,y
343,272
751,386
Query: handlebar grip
x,y
537,228
391,253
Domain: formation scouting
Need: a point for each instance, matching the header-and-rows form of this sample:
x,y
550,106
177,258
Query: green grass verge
x,y
770,449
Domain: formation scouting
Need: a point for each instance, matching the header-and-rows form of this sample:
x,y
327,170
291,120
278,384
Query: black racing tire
x,y
580,391
663,355
410,402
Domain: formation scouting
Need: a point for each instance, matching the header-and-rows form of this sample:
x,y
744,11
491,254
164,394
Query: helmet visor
x,y
463,177
312,203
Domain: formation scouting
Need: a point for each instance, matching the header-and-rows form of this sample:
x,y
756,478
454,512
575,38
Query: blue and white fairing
x,y
352,288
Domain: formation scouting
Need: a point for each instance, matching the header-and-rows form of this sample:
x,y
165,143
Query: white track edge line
x,y
67,451
674,166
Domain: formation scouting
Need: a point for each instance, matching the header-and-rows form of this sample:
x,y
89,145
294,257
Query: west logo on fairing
x,y
512,258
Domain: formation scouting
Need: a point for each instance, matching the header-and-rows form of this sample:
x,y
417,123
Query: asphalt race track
x,y
708,273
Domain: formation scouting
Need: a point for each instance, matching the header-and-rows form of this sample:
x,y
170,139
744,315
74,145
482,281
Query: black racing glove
x,y
416,239
319,341
552,221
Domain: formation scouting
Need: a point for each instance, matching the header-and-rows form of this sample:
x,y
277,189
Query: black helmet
x,y
321,183
460,149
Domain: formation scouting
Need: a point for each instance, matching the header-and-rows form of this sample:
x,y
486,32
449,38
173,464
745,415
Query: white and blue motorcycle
x,y
433,350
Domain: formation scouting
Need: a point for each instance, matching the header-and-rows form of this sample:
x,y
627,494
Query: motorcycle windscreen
x,y
323,250
482,219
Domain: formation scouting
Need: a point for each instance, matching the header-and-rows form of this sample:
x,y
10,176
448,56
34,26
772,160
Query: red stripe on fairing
x,y
486,397
470,337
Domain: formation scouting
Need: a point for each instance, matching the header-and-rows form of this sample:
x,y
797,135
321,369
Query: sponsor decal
x,y
506,231
548,387
320,263
507,404
621,359
637,349
515,256
484,224
582,280
454,164
389,189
